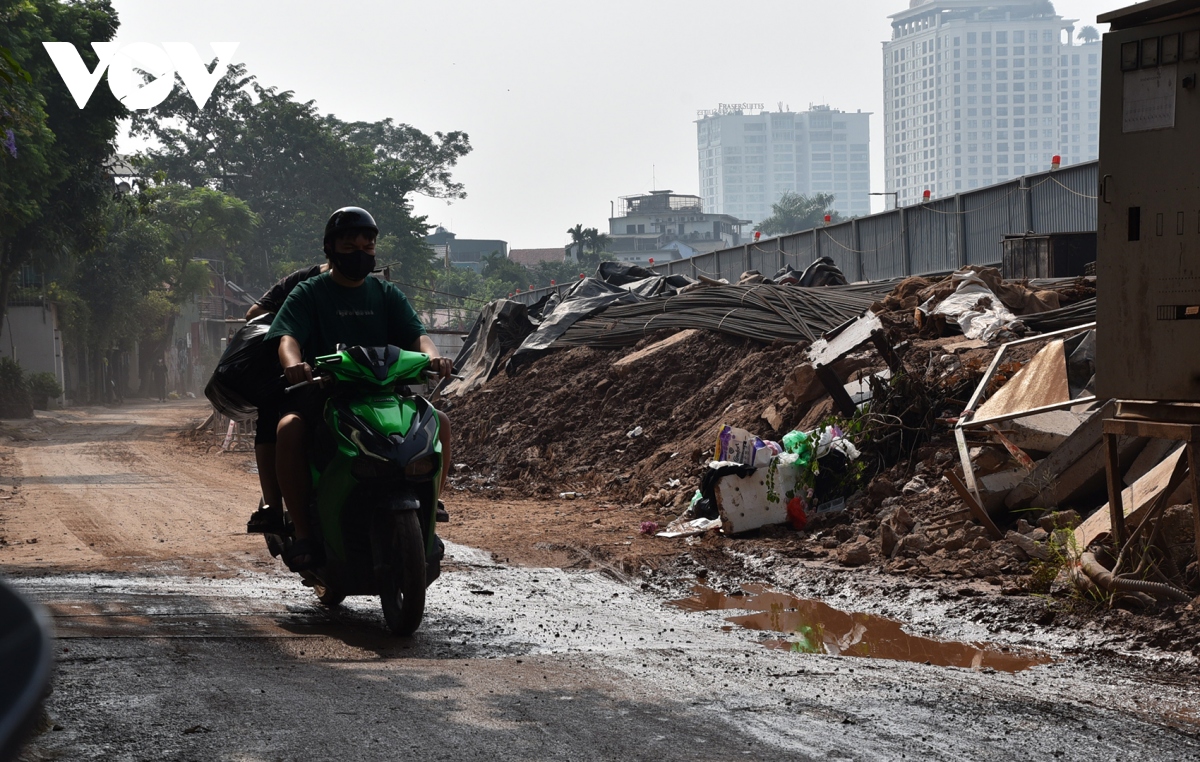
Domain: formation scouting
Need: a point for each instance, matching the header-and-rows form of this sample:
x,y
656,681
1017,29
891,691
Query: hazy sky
x,y
569,105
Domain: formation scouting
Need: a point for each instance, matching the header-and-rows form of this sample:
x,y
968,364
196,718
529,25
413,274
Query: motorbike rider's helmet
x,y
348,220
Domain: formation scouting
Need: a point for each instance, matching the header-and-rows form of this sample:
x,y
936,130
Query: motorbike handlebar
x,y
318,380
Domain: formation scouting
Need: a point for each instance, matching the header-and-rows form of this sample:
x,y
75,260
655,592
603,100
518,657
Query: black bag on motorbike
x,y
248,372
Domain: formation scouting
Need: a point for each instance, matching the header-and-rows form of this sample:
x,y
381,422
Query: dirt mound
x,y
564,424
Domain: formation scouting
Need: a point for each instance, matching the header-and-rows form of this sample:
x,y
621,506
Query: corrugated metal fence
x,y
934,237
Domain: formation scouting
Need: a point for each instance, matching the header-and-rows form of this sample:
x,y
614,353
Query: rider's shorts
x,y
268,423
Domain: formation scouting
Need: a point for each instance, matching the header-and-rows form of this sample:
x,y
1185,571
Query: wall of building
x,y
973,98
748,160
30,335
922,239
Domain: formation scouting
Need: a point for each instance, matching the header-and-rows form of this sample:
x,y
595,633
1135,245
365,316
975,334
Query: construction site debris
x,y
978,311
1136,500
763,312
500,328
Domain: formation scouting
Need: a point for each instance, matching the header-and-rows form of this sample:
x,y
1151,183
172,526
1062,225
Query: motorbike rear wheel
x,y
402,593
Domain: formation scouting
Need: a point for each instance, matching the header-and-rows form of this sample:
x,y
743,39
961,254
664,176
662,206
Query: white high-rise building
x,y
749,157
977,92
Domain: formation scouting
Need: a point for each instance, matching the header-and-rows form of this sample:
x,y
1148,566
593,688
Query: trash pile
x,y
931,426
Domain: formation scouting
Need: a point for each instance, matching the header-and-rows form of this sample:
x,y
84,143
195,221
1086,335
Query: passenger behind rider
x,y
269,518
342,306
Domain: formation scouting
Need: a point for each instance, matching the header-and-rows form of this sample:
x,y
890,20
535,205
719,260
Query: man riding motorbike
x,y
342,306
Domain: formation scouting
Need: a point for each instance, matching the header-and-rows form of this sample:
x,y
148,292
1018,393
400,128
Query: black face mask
x,y
354,265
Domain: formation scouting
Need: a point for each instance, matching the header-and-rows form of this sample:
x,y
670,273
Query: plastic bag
x,y
248,372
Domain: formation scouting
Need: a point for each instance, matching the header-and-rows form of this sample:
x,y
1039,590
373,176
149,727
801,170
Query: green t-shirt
x,y
320,314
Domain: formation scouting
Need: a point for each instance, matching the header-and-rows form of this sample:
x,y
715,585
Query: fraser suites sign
x,y
729,108
129,65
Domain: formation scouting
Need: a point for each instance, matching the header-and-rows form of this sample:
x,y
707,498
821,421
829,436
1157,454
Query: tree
x,y
1088,34
794,212
578,239
198,223
53,176
293,166
503,269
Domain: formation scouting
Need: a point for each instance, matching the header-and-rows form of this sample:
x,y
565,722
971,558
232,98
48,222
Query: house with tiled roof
x,y
532,257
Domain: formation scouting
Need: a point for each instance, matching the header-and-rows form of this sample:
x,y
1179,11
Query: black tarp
x,y
822,272
501,326
587,297
247,373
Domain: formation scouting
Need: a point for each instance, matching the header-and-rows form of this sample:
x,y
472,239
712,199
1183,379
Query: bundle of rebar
x,y
762,312
1064,317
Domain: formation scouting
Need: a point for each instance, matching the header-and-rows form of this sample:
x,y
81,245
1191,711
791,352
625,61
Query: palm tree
x,y
1088,34
578,239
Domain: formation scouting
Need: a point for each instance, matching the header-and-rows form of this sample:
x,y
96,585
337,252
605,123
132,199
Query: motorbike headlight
x,y
421,467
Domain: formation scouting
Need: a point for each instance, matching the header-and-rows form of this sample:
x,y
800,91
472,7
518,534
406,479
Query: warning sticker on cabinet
x,y
1149,102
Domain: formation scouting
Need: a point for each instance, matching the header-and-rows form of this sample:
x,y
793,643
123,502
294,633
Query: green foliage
x,y
55,188
197,223
1088,34
44,386
15,401
503,269
294,166
1063,551
794,212
590,244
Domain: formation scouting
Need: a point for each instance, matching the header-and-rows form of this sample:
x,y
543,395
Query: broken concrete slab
x,y
1044,432
1028,545
1043,381
1136,500
993,488
630,361
1075,464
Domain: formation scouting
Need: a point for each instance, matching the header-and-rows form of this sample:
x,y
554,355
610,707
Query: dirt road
x,y
180,639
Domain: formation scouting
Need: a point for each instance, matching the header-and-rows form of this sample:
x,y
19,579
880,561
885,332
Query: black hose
x,y
1106,580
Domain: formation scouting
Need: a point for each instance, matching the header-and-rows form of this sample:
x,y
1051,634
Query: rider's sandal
x,y
265,521
305,554
442,513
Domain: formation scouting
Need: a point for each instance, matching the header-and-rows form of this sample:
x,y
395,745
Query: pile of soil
x,y
570,422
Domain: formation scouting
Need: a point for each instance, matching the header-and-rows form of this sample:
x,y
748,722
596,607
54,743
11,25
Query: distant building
x,y
533,257
977,92
463,252
662,225
750,157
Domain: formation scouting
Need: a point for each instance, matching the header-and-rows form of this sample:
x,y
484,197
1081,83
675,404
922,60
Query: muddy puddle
x,y
814,627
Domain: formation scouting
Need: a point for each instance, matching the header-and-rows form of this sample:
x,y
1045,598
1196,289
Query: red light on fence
x,y
1055,162
530,286
552,283
757,235
926,194
518,290
651,260
580,276
828,218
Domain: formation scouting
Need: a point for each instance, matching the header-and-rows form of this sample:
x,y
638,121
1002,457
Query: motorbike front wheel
x,y
403,591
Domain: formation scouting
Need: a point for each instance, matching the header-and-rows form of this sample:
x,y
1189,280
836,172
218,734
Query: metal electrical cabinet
x,y
1148,256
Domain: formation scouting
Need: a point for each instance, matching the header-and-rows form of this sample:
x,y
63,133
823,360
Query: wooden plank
x,y
1180,432
1042,382
973,505
1112,471
1135,500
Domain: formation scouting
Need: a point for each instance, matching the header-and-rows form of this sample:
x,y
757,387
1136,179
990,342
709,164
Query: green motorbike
x,y
376,464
